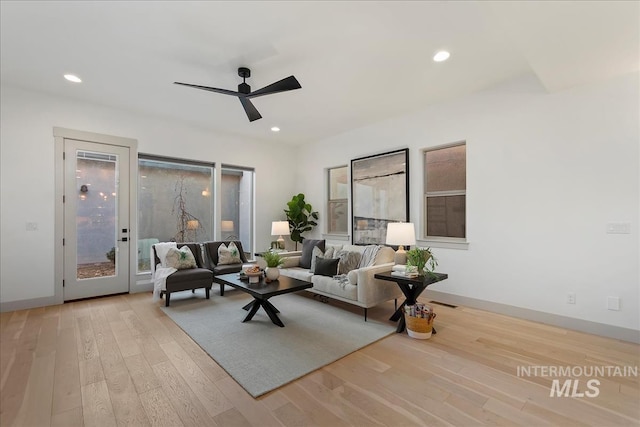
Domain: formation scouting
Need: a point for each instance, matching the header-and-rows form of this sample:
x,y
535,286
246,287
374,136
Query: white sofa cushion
x,y
297,273
331,286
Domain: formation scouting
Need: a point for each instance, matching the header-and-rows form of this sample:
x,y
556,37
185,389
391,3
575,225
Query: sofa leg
x,y
206,291
221,290
395,304
166,301
365,314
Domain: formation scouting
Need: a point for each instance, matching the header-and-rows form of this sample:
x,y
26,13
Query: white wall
x,y
27,171
545,173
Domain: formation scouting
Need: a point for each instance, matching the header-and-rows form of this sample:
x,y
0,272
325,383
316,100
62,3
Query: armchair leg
x,y
365,314
206,291
395,304
221,290
166,301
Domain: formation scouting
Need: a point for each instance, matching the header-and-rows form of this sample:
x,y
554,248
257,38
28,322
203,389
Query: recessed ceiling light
x,y
72,78
440,56
275,129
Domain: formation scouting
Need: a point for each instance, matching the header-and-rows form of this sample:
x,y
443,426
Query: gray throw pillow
x,y
349,260
307,249
327,267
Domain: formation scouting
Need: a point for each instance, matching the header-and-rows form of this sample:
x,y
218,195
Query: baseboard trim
x,y
609,331
26,304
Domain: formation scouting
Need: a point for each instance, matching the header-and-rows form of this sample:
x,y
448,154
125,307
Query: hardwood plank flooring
x,y
121,361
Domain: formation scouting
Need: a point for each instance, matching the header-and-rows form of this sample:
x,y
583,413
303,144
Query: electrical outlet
x,y
571,298
618,228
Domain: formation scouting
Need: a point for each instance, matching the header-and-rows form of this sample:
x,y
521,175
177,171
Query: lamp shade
x,y
278,228
226,225
401,233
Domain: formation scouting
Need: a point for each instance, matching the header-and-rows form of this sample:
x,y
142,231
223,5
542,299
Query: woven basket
x,y
419,324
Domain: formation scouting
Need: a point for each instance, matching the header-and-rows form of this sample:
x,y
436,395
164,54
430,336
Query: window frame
x,y
251,200
331,202
174,160
443,241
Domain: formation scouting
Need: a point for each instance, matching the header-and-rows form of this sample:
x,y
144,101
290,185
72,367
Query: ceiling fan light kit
x,y
244,93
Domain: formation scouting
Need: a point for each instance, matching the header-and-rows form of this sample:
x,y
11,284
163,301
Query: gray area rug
x,y
261,356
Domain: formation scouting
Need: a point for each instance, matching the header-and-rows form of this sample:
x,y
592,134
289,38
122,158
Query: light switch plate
x,y
613,303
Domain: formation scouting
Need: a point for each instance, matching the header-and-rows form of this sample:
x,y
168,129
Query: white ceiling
x,y
358,62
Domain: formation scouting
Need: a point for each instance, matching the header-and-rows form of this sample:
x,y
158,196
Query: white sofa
x,y
361,288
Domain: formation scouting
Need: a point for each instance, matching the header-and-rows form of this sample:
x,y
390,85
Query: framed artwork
x,y
380,195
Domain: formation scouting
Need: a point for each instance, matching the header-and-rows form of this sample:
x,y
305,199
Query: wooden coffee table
x,y
262,291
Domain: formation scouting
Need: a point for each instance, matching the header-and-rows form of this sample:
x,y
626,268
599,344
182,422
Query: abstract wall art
x,y
380,195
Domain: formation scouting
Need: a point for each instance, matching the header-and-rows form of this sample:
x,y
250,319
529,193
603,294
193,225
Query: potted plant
x,y
301,217
273,260
422,259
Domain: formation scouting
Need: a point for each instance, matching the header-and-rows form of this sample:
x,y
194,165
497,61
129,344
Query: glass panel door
x,y
96,242
96,234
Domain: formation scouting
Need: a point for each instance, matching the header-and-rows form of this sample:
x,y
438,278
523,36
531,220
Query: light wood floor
x,y
120,361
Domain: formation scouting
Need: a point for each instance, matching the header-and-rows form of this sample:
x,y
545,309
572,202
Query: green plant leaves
x,y
301,217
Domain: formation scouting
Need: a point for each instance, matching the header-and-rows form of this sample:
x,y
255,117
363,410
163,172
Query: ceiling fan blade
x,y
250,109
289,83
210,89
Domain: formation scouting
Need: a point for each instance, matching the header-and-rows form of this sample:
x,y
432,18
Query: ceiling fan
x,y
244,93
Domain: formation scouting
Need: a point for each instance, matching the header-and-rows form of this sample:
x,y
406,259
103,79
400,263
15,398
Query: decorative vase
x,y
272,273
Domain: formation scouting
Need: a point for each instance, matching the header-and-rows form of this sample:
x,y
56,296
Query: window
x,y
337,203
236,203
175,203
445,186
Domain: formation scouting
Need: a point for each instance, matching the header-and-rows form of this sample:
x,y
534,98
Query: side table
x,y
411,288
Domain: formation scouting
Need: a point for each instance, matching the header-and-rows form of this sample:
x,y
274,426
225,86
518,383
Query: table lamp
x,y
401,234
228,227
278,228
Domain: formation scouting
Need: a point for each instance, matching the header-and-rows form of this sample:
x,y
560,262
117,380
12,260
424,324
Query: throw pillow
x,y
307,249
228,254
161,250
180,259
329,252
315,254
327,267
349,260
353,277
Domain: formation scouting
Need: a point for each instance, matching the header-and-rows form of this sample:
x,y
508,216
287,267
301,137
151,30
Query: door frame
x,y
59,135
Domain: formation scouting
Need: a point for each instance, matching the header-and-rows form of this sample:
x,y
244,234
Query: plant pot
x,y
272,273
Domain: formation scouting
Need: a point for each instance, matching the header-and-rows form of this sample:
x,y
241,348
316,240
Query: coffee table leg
x,y
254,309
269,308
248,306
272,306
